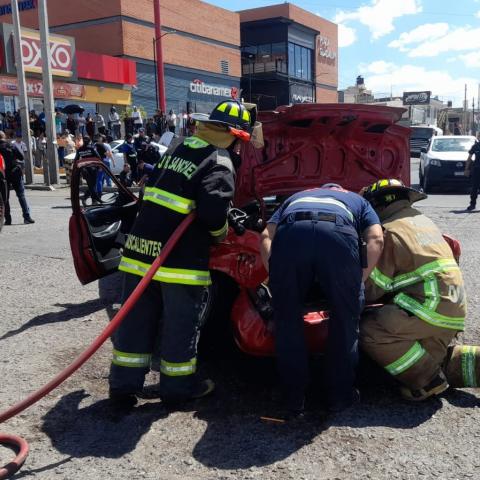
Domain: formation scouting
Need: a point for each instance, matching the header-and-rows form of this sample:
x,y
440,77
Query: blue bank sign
x,y
23,5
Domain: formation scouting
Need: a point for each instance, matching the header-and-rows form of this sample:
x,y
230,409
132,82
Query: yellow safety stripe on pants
x,y
468,366
220,231
406,279
131,360
433,318
195,142
165,274
172,369
407,360
169,200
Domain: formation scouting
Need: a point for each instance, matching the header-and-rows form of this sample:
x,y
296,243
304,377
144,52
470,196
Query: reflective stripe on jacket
x,y
418,269
191,175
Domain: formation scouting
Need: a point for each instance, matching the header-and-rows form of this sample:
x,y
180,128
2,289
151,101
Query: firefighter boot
x,y
436,386
462,366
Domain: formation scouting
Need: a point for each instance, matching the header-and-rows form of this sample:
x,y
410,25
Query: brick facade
x,y
115,35
326,69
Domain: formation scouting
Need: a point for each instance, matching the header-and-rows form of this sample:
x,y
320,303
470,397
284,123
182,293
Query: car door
x,y
98,230
118,159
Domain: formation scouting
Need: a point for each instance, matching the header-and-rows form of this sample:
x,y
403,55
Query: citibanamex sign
x,y
61,54
198,86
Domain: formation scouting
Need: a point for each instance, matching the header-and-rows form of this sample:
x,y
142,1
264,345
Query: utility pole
x,y
474,130
22,92
159,59
52,153
465,107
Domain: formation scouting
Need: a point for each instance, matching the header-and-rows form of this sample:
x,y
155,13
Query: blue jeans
x,y
102,176
19,187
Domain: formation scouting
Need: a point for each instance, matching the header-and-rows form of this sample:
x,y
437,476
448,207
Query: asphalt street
x,y
47,318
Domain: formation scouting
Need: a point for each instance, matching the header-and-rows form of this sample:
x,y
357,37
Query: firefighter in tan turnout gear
x,y
421,286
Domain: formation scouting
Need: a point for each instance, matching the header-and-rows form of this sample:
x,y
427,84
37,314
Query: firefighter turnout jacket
x,y
418,270
191,175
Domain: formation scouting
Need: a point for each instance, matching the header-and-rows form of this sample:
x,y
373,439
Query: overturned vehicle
x,y
304,147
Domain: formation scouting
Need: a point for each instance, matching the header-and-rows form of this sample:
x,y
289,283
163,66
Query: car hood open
x,y
309,145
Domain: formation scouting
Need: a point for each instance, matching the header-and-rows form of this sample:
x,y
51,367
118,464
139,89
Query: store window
x,y
300,62
269,57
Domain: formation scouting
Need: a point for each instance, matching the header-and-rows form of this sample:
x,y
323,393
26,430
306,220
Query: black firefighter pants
x,y
303,252
168,311
475,185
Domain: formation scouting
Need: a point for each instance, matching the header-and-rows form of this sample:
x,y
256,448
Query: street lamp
x,y
158,94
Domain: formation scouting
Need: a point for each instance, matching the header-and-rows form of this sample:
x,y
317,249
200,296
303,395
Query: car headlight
x,y
435,163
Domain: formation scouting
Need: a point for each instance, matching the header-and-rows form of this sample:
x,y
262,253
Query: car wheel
x,y
420,176
216,339
426,184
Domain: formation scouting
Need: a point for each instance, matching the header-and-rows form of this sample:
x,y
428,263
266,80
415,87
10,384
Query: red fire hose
x,y
20,444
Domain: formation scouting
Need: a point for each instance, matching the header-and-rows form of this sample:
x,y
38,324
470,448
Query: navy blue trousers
x,y
304,252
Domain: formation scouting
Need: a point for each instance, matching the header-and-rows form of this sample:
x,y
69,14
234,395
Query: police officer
x,y
195,173
474,172
421,286
315,237
14,163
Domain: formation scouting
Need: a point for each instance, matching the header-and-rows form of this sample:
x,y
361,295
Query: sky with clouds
x,y
402,45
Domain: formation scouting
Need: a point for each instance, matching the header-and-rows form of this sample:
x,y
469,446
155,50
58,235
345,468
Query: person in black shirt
x,y
126,176
474,172
88,150
140,140
14,163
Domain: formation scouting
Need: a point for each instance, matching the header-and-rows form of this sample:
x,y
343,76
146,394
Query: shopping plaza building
x,y
274,55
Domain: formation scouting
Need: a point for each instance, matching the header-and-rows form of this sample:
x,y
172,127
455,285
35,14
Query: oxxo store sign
x,y
62,52
198,86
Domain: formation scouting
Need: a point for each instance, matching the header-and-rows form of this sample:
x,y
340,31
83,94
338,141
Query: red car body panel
x,y
305,146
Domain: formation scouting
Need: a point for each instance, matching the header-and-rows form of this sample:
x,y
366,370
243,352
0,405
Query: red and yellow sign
x,y
62,53
9,86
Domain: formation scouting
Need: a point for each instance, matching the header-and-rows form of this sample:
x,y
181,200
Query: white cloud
x,y
422,33
418,44
380,14
478,14
471,60
404,78
346,35
378,67
460,39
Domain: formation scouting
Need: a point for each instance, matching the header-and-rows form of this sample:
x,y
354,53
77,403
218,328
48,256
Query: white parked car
x,y
442,163
118,155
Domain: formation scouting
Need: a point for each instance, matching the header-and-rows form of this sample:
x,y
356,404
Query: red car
x,y
305,146
3,191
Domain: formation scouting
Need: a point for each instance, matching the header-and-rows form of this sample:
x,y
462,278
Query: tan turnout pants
x,y
410,349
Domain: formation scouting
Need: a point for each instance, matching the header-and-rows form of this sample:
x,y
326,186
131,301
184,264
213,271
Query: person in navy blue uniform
x,y
474,172
316,237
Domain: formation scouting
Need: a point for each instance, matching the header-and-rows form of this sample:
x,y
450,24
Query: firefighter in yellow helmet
x,y
195,173
421,286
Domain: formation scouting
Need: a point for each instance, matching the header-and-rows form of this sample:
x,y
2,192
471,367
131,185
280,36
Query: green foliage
x,y
128,112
